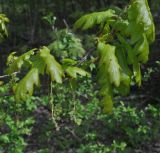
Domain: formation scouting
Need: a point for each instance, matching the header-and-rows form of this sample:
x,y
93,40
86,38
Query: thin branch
x,y
5,76
85,57
135,97
74,134
66,24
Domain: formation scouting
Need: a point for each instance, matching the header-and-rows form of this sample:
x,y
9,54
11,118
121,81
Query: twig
x,y
73,134
52,108
66,24
135,97
84,58
5,76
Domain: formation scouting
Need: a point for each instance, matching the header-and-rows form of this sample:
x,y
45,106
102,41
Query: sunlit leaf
x,y
107,104
140,17
53,68
92,19
19,62
142,49
26,85
108,58
72,71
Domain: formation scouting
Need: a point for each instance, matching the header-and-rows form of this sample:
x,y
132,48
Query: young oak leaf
x,y
26,85
126,73
92,19
68,61
40,62
19,62
142,49
108,74
107,104
53,68
107,57
139,15
72,71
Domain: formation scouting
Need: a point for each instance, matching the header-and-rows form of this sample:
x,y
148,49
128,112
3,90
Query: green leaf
x,y
135,31
127,46
19,62
53,68
11,58
132,57
122,60
67,45
4,138
3,30
103,80
40,63
140,17
105,89
137,72
126,73
108,74
120,25
124,87
142,49
4,18
26,85
107,104
108,58
68,61
92,19
56,45
72,71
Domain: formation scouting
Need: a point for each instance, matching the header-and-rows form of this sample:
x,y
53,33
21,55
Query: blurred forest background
x,y
134,125
28,29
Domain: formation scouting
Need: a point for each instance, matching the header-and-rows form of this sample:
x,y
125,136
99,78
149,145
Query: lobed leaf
x,y
141,20
26,85
40,63
126,73
108,74
132,59
92,19
19,61
72,71
108,58
142,49
53,68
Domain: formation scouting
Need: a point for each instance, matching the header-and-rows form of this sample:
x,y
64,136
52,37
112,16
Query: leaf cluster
x,y
66,45
40,62
123,45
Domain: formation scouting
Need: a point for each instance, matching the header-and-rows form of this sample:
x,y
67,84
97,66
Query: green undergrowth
x,y
78,125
